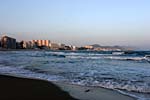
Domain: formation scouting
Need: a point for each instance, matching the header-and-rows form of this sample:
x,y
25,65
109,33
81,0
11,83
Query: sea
x,y
127,72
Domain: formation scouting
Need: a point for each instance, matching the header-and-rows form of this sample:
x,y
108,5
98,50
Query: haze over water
x,y
78,22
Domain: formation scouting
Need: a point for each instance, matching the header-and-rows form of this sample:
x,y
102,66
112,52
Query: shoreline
x,y
17,88
61,50
76,91
93,92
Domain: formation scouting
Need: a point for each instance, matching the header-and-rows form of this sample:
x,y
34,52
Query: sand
x,y
93,93
15,88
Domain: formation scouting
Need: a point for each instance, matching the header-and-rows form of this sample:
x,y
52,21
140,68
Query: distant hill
x,y
112,47
95,45
99,46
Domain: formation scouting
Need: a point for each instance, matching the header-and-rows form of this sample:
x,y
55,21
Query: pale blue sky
x,y
78,22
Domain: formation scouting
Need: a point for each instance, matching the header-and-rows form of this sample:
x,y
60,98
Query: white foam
x,y
106,84
122,90
125,58
117,53
29,74
79,55
84,57
138,97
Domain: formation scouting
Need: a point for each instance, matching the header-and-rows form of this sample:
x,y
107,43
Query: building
x,y
45,43
8,42
74,48
89,47
0,44
55,46
27,45
18,45
71,47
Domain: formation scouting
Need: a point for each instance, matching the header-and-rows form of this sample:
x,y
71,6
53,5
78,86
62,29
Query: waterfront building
x,y
18,45
55,46
27,45
0,43
45,43
8,42
89,47
74,48
71,47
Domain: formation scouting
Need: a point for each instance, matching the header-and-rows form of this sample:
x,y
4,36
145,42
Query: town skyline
x,y
10,43
79,22
67,43
58,42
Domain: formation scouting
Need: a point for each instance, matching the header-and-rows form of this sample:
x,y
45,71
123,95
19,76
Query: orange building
x,y
42,42
88,47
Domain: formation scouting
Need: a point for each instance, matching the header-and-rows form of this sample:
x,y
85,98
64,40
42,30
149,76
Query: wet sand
x,y
93,93
13,88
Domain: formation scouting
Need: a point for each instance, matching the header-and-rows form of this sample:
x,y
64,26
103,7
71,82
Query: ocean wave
x,y
83,57
78,54
90,55
125,58
85,81
102,82
109,57
10,70
137,53
135,95
118,53
110,84
113,71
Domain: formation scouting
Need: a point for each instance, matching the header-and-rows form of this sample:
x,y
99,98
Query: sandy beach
x,y
93,93
22,88
13,88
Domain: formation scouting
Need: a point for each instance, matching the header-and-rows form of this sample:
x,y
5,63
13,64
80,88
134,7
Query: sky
x,y
78,22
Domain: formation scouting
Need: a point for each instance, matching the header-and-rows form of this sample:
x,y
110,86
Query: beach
x,y
14,88
93,93
22,88
83,75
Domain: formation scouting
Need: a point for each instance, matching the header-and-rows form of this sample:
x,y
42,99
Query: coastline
x,y
17,88
38,88
23,50
93,93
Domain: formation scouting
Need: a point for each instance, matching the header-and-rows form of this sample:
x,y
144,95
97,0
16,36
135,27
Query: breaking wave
x,y
119,71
